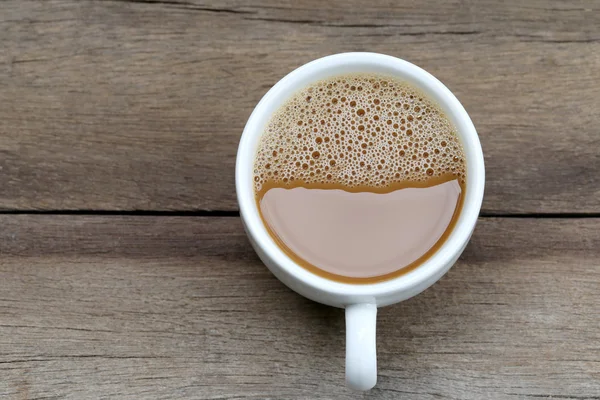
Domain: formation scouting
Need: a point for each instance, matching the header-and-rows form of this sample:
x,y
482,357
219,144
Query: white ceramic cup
x,y
359,300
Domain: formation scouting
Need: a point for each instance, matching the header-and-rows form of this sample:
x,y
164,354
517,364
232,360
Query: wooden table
x,y
124,270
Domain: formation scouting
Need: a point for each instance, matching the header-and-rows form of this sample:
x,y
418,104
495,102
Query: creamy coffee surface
x,y
359,177
360,234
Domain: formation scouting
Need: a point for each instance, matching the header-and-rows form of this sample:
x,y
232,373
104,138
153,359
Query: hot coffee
x,y
359,178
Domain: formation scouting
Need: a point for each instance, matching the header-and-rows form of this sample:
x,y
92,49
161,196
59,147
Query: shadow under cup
x,y
340,292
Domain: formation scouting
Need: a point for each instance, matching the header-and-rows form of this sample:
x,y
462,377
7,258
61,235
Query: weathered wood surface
x,y
178,307
129,105
138,105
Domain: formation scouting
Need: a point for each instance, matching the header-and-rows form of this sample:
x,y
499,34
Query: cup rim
x,y
401,69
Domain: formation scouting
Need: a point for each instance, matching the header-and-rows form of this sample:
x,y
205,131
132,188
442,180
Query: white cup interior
x,y
346,63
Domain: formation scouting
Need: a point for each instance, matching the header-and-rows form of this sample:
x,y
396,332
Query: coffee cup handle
x,y
361,355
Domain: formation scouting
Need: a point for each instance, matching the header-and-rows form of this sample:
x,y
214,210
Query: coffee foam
x,y
358,131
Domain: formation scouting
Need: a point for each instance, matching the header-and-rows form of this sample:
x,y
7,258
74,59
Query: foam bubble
x,y
358,130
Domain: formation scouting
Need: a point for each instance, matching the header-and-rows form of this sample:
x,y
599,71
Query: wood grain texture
x,y
169,307
128,105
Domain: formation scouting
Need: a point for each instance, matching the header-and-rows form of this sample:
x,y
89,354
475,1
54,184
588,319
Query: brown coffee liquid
x,y
359,178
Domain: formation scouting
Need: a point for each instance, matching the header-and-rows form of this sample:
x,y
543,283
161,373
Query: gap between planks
x,y
235,214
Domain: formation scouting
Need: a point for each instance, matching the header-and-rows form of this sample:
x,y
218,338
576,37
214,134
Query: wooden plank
x,y
173,307
125,105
